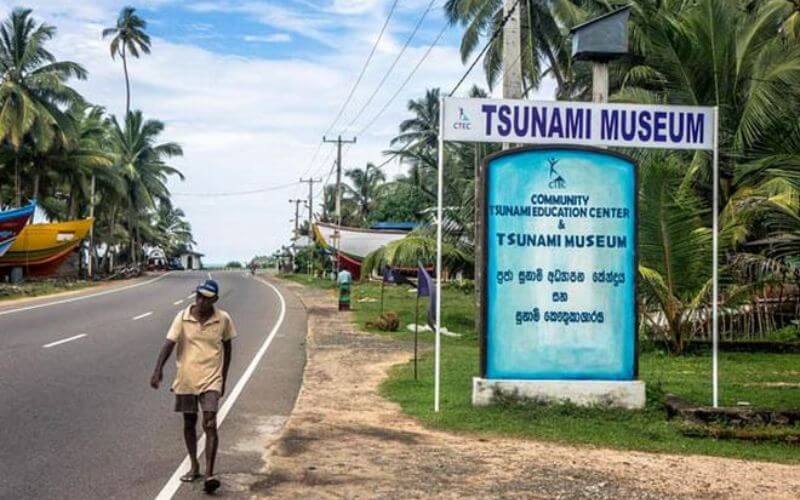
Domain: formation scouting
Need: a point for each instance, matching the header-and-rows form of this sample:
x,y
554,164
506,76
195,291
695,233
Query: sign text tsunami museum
x,y
626,125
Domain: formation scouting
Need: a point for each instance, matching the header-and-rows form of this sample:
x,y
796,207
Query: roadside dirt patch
x,y
345,441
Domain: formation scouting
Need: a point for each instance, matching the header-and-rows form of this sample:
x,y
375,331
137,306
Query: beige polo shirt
x,y
199,351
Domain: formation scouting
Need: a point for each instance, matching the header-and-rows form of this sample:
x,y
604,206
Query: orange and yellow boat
x,y
40,249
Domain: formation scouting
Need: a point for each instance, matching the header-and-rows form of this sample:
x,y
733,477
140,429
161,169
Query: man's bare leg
x,y
190,436
210,428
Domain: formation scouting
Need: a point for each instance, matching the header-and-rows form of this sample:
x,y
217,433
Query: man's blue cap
x,y
208,289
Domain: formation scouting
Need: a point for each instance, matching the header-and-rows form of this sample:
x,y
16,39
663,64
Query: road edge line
x,y
84,297
174,482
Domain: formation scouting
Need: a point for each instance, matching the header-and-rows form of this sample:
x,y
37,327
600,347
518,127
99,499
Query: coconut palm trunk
x,y
127,82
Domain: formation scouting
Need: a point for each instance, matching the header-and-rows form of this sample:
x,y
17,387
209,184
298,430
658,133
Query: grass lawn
x,y
38,288
307,280
754,378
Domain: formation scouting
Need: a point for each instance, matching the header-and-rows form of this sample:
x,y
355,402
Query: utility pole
x,y
311,181
512,64
91,231
337,236
296,229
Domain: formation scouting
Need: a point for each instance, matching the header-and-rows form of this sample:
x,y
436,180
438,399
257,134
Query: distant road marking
x,y
84,297
148,313
174,482
190,296
209,275
64,341
177,302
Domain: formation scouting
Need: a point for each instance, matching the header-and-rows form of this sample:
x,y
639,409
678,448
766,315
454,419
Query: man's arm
x,y
163,356
227,347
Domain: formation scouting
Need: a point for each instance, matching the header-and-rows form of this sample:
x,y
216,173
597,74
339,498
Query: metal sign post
x,y
439,224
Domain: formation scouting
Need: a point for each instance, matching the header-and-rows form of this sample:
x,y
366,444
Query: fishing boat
x,y
11,223
355,243
40,249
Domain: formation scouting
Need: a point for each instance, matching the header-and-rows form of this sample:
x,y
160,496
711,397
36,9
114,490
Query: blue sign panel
x,y
560,248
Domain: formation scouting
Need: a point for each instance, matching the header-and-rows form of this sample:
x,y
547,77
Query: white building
x,y
191,260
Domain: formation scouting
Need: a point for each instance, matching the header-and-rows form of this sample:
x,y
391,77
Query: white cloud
x,y
274,38
354,6
247,123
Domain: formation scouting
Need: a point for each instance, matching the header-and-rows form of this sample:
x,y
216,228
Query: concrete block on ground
x,y
628,394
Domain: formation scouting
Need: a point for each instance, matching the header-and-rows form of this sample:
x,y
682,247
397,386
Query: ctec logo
x,y
463,122
556,181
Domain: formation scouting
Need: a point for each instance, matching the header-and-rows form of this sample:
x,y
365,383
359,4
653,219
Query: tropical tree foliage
x,y
54,146
128,38
739,55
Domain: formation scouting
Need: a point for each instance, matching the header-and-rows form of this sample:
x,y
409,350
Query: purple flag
x,y
426,288
424,282
387,274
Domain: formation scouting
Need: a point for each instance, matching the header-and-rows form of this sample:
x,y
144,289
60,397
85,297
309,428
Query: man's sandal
x,y
190,477
211,484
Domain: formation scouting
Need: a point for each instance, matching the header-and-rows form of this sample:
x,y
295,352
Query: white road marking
x,y
190,296
178,302
148,313
83,297
209,275
174,482
64,341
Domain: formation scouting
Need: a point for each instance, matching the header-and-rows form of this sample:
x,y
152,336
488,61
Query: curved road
x,y
77,417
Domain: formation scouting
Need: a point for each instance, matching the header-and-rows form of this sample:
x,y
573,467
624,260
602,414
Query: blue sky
x,y
248,88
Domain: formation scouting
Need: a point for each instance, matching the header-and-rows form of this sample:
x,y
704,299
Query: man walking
x,y
202,334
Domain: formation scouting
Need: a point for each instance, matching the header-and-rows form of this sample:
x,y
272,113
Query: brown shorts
x,y
187,403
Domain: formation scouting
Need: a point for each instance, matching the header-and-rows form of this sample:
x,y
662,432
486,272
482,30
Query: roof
x,y
397,226
191,252
600,18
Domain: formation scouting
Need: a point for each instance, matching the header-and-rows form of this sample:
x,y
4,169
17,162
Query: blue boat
x,y
11,223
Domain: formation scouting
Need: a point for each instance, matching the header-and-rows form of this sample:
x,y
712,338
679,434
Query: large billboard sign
x,y
578,123
560,264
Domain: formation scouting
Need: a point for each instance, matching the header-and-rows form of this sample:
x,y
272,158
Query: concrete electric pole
x,y
338,141
512,60
311,181
296,227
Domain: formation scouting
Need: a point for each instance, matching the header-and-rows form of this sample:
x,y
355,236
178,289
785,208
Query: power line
x,y
391,68
363,69
239,193
408,78
486,47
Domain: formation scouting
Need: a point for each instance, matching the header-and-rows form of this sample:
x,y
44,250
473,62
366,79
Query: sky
x,y
248,88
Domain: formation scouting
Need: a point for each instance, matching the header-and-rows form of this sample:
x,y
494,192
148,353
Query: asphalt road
x,y
78,418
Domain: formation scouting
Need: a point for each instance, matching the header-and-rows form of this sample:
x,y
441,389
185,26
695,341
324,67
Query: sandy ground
x,y
345,441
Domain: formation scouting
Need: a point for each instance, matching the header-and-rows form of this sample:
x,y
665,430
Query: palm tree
x,y
708,53
128,37
543,38
422,129
140,161
171,229
33,89
366,186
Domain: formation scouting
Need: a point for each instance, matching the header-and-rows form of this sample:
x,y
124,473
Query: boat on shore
x,y
12,223
354,243
40,249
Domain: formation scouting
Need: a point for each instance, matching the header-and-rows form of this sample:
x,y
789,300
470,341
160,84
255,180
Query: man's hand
x,y
155,380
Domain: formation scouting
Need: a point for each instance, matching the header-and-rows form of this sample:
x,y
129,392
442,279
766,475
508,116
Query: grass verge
x,y
39,288
761,379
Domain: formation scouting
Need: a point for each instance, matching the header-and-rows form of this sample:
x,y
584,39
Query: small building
x,y
191,260
156,259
